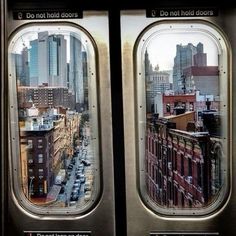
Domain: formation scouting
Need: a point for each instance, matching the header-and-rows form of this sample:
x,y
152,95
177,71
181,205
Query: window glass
x,y
54,118
182,90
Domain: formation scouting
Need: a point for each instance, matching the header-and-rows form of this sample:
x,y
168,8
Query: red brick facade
x,y
178,166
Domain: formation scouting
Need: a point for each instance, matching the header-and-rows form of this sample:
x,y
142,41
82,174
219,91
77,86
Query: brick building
x,y
40,160
43,97
46,148
166,105
182,168
186,101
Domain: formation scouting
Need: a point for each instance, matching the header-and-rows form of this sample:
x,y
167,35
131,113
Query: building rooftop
x,y
176,116
37,128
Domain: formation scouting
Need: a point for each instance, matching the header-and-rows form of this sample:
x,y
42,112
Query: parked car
x,y
88,186
62,190
77,181
87,195
64,182
70,167
74,197
72,203
82,178
86,162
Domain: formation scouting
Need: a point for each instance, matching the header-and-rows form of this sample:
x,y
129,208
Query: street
x,y
79,173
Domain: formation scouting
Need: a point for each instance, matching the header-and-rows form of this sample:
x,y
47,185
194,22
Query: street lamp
x,y
30,185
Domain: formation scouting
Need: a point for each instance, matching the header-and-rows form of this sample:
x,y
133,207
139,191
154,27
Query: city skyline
x,y
44,63
27,37
162,48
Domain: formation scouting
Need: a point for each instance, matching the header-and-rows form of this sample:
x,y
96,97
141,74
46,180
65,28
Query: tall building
x,y
48,64
85,79
22,67
57,60
76,80
147,64
18,66
33,63
186,56
43,58
25,67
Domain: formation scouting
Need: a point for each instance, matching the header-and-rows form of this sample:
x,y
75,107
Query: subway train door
x,y
3,109
178,78
60,136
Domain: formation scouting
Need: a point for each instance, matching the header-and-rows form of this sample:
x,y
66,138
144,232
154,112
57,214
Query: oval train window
x,y
54,119
183,105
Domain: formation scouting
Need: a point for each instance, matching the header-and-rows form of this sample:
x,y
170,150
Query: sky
x,y
162,48
23,40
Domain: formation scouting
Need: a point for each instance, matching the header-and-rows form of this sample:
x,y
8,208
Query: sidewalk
x,y
51,196
53,193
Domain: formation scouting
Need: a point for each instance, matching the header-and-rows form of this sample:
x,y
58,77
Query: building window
x,y
170,197
30,143
182,199
168,108
156,148
182,165
190,203
156,180
199,174
175,195
40,189
40,143
30,158
40,158
189,167
175,160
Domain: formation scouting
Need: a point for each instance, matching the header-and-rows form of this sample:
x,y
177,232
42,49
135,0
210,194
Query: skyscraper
x,y
25,67
148,65
43,58
186,56
22,67
57,60
33,63
48,60
76,81
85,79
